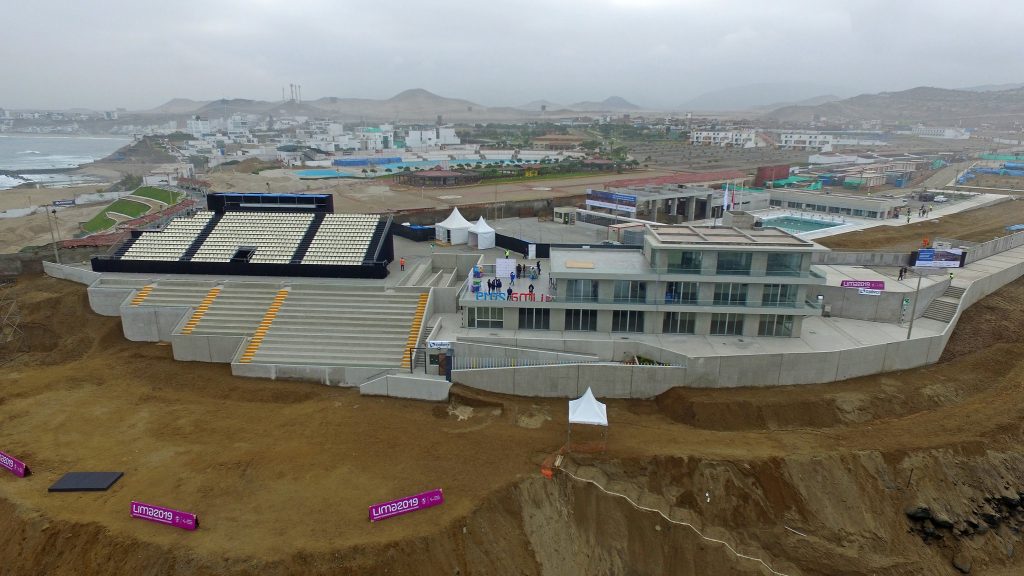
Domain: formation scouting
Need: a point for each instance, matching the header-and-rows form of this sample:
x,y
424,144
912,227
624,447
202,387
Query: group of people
x,y
496,284
924,211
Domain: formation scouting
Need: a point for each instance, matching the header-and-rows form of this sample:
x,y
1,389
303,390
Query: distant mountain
x,y
754,96
536,106
992,87
610,104
178,106
917,105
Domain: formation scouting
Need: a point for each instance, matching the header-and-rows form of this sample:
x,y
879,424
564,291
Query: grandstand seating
x,y
326,325
342,239
274,235
170,243
339,239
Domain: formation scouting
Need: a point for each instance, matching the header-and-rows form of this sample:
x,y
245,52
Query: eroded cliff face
x,y
929,512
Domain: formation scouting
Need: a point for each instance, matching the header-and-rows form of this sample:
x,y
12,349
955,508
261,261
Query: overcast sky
x,y
657,53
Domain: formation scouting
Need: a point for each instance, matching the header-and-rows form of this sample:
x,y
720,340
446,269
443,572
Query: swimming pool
x,y
795,225
322,174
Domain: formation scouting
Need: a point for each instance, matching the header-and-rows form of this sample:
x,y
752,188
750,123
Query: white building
x,y
431,138
807,141
373,139
938,132
197,126
734,138
110,115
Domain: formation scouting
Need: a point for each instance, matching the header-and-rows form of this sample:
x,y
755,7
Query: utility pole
x,y
53,236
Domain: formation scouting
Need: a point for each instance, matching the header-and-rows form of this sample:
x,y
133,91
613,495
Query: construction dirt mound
x,y
907,473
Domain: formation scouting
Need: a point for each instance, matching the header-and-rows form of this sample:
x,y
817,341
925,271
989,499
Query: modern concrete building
x,y
673,203
840,204
807,140
685,280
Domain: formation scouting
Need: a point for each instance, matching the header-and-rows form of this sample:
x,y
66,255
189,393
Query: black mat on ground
x,y
85,481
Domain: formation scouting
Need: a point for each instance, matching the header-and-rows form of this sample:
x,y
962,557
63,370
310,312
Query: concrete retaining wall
x,y
205,347
152,323
605,350
107,301
468,350
572,380
75,274
345,376
839,258
848,303
407,386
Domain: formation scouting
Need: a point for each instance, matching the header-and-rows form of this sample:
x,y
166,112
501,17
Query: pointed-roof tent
x,y
481,226
587,410
455,220
481,235
454,229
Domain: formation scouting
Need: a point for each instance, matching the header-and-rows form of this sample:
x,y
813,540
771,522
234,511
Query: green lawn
x,y
160,195
128,208
98,223
124,206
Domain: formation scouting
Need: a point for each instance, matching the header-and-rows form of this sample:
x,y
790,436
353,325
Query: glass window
x,y
486,317
581,320
630,291
775,325
727,324
679,323
681,292
796,205
581,290
735,263
534,319
627,321
779,295
730,294
783,264
685,262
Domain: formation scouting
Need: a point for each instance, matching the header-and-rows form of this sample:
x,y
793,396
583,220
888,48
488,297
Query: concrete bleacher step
x,y
941,310
954,292
414,331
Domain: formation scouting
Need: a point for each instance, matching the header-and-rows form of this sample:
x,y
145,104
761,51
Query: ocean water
x,y
27,152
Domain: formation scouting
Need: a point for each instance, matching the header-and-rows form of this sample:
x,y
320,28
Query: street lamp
x,y
53,236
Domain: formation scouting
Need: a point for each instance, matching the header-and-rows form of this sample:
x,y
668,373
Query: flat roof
x,y
726,235
599,262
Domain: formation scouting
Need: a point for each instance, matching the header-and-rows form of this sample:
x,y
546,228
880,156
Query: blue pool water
x,y
797,225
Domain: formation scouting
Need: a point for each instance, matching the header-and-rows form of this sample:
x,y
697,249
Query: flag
x,y
725,198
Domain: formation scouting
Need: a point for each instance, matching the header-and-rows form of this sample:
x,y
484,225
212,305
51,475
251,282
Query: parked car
x,y
940,198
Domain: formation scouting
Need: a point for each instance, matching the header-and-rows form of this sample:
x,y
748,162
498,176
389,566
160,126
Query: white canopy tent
x,y
481,235
454,229
587,410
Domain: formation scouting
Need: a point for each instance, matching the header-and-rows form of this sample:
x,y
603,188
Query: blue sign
x,y
612,197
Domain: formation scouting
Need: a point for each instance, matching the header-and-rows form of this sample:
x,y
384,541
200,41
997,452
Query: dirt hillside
x,y
811,479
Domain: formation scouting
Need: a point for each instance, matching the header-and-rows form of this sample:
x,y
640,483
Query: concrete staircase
x,y
414,331
237,309
326,325
944,307
172,293
264,326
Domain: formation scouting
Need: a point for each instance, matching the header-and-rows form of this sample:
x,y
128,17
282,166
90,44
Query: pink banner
x,y
161,515
17,467
406,505
869,284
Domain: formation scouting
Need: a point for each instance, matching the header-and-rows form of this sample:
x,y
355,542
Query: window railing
x,y
780,273
790,305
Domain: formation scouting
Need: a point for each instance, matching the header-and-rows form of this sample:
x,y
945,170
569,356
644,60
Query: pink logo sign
x,y
406,505
869,284
162,515
17,467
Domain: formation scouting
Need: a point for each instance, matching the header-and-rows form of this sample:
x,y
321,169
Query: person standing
x,y
490,285
401,263
903,270
509,293
512,278
950,277
538,268
507,253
